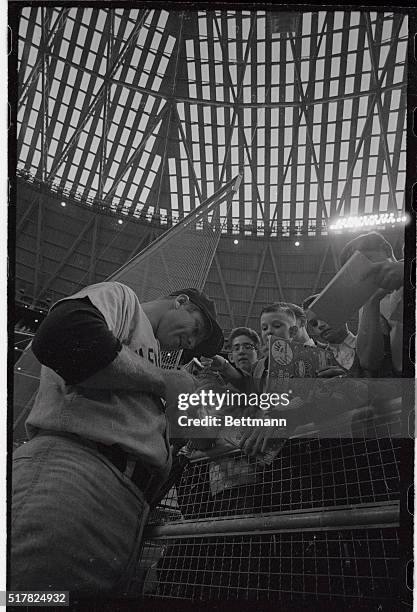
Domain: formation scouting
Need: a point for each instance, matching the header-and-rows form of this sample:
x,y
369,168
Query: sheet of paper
x,y
345,293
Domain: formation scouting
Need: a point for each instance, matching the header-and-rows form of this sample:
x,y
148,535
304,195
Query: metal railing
x,y
319,522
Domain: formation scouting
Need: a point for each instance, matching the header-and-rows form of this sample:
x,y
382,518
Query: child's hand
x,y
215,363
223,368
254,440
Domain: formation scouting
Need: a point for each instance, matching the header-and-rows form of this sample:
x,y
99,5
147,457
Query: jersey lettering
x,y
151,354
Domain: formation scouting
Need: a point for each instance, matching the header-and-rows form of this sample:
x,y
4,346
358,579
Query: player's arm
x,y
75,341
131,372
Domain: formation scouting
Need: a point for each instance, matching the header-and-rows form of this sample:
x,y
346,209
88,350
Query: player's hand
x,y
176,382
387,275
331,372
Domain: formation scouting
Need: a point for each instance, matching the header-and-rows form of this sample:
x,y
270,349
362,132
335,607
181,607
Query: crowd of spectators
x,y
375,351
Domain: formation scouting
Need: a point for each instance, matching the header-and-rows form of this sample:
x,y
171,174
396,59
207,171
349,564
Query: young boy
x,y
244,344
302,334
221,487
234,479
340,341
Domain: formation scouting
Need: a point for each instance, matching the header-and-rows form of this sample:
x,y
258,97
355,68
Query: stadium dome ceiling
x,y
150,112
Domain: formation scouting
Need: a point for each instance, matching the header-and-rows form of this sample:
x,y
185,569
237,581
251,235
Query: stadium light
x,y
368,221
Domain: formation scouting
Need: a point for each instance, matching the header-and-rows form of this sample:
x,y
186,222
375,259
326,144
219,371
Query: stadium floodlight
x,y
368,222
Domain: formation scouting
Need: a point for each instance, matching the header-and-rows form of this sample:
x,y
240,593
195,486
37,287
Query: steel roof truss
x,y
374,76
368,122
98,98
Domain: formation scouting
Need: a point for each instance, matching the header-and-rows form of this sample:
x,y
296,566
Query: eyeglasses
x,y
245,345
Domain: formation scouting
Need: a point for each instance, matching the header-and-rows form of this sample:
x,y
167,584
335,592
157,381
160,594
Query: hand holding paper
x,y
388,275
348,290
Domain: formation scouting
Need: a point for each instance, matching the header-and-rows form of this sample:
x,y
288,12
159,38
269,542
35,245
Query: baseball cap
x,y
215,340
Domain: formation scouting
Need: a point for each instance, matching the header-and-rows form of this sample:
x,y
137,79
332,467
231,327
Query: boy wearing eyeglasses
x,y
244,343
233,479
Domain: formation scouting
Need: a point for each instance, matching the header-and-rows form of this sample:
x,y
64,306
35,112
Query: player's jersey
x,y
136,421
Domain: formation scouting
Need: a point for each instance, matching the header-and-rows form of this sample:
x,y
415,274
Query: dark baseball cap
x,y
215,340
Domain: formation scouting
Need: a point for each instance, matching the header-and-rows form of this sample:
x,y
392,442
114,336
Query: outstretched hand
x,y
219,364
388,275
255,440
215,363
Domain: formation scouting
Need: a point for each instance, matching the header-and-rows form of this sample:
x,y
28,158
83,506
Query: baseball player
x,y
98,446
